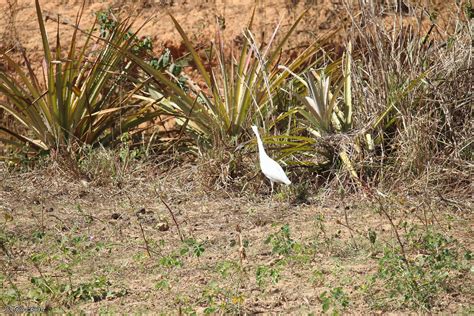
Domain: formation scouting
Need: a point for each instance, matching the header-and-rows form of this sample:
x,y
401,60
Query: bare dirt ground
x,y
18,22
115,247
199,18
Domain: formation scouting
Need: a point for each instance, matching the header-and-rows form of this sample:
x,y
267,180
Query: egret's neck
x,y
261,150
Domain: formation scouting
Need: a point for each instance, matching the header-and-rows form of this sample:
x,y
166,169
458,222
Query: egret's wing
x,y
272,170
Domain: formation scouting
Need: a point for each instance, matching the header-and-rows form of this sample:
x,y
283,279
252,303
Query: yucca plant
x,y
75,99
239,90
327,109
328,114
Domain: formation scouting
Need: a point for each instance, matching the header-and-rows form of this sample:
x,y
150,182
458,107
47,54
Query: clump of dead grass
x,y
226,169
9,34
412,89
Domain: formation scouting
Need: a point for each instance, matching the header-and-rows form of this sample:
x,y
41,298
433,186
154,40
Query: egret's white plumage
x,y
270,168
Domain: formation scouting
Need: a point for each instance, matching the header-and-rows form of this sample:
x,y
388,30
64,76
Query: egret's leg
x,y
271,183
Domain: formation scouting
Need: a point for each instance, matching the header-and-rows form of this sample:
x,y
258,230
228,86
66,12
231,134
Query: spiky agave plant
x,y
328,113
239,90
327,108
75,101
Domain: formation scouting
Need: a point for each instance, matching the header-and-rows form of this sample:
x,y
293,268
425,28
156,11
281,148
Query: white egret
x,y
270,168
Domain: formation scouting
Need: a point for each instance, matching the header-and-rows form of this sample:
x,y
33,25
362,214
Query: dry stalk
x,y
351,229
397,235
43,277
147,247
174,219
242,254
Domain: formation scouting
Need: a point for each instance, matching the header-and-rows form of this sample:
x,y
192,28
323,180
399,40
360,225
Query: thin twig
x,y
43,277
346,225
42,220
394,228
144,238
174,219
242,254
350,229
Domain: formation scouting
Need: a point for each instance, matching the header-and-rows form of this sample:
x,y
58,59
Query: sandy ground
x,y
199,18
83,233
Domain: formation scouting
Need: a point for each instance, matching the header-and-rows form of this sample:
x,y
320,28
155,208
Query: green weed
x,y
335,299
170,261
45,288
162,285
416,281
263,274
281,242
192,246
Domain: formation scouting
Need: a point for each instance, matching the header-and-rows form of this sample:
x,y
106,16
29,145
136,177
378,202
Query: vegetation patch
x,y
129,179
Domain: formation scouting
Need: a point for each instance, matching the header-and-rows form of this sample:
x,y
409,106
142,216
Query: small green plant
x,y
126,153
193,246
469,10
372,235
416,281
143,47
45,288
220,299
106,23
93,291
335,299
38,235
317,277
9,293
282,243
171,261
264,273
226,268
210,295
162,285
166,62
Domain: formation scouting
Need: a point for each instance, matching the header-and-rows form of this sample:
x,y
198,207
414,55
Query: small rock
x,y
116,216
162,226
82,194
260,222
84,183
386,227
